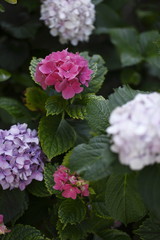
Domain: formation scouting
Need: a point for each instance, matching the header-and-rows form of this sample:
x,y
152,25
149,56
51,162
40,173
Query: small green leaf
x,y
129,76
148,181
149,230
2,9
92,160
97,114
4,75
76,110
32,68
113,234
35,99
123,202
24,232
48,178
124,39
38,189
121,96
15,198
55,105
96,63
11,1
72,211
56,136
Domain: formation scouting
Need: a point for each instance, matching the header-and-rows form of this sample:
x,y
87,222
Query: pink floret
x,y
65,71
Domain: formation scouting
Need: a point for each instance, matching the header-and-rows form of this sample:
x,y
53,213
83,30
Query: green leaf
x,y
72,211
114,234
96,63
56,136
12,203
149,230
24,232
2,9
15,109
124,39
48,178
32,68
123,202
11,1
4,75
148,181
129,76
93,159
97,114
77,109
35,99
121,96
55,105
38,189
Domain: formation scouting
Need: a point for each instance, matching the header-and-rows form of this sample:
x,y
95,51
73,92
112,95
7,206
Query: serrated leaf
x,y
55,105
97,114
48,178
38,189
123,202
56,136
72,211
92,160
32,68
11,1
149,230
114,234
121,96
4,75
150,191
12,203
76,111
96,63
35,99
124,39
15,109
24,232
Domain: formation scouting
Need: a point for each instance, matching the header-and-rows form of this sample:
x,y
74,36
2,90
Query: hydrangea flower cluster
x,y
69,184
21,158
135,129
3,228
65,71
71,20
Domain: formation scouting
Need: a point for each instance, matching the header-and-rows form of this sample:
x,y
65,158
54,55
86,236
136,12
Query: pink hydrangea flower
x,y
66,72
70,184
3,228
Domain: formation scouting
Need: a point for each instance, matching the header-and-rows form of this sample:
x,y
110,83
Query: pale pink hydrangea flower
x,y
70,184
3,228
135,130
66,72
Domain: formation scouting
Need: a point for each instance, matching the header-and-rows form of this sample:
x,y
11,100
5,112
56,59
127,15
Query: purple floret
x,y
21,158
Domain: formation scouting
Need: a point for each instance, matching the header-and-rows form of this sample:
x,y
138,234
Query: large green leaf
x,y
123,202
148,181
4,75
24,232
56,136
55,105
124,39
92,160
72,211
12,204
113,234
15,109
38,189
96,63
121,96
76,110
35,99
97,114
149,230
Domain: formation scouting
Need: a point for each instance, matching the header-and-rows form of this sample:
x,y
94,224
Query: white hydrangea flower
x,y
71,20
135,130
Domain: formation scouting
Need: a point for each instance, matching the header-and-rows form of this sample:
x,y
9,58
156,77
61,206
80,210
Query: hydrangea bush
x,y
79,160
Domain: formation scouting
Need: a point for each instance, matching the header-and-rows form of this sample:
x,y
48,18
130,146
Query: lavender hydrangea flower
x,y
135,130
21,158
71,20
